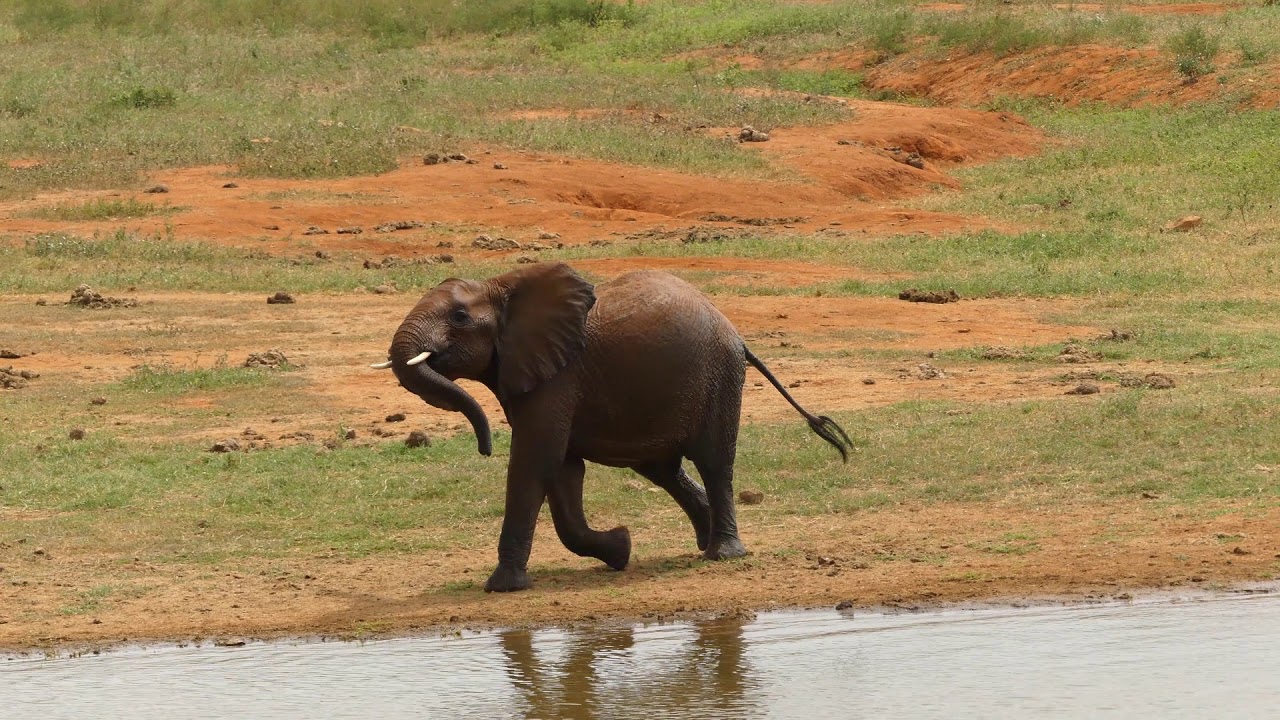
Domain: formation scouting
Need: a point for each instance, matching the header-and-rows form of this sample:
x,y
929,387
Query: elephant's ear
x,y
543,324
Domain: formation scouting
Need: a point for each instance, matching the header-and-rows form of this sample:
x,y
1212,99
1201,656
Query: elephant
x,y
639,372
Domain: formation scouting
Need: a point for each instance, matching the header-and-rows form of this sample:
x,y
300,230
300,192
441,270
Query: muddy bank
x,y
900,557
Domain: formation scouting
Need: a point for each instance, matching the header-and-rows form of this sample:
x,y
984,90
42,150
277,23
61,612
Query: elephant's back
x,y
657,310
661,362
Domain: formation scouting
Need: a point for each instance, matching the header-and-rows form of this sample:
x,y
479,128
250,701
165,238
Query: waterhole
x,y
1209,656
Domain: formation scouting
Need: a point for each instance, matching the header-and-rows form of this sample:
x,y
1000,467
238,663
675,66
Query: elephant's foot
x,y
725,548
508,579
616,548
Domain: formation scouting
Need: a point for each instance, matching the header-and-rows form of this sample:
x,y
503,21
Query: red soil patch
x,y
1071,75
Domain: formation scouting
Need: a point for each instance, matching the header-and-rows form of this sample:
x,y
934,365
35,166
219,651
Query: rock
x,y
433,159
270,227
488,242
750,497
313,230
226,446
76,434
42,302
1117,335
750,134
268,358
417,439
868,381
1189,222
157,189
457,157
12,354
229,186
385,290
349,435
281,298
925,371
1158,381
1086,388
544,235
321,255
601,243
526,260
444,244
352,230
395,417
98,401
915,161
499,166
224,642
929,296
844,605
11,379
387,227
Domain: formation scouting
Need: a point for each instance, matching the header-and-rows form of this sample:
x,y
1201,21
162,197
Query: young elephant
x,y
639,372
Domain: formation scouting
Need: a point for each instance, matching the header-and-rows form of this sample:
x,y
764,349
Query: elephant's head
x,y
512,332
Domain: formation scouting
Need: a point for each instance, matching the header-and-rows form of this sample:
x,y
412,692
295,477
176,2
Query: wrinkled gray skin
x,y
640,372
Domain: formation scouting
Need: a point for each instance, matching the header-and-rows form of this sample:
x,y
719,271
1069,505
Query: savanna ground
x,y
1031,156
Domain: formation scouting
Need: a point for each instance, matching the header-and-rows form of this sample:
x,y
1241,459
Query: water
x,y
1216,656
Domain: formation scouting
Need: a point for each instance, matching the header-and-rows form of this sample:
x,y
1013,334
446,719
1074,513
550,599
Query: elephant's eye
x,y
459,317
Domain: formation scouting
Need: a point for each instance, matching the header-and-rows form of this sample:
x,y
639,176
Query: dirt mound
x,y
11,379
85,296
891,150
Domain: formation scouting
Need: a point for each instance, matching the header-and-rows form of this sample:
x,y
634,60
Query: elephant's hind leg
x,y
670,476
613,547
713,453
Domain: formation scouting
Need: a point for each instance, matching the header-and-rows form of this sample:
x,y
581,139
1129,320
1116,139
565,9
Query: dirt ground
x,y
853,178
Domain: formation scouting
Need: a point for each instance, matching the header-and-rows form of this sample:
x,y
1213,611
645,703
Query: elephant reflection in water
x,y
711,673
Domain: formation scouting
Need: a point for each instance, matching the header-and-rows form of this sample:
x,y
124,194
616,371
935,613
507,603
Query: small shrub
x,y
144,98
888,34
1194,51
1251,53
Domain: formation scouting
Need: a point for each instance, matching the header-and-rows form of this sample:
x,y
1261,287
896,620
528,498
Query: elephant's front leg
x,y
529,473
565,495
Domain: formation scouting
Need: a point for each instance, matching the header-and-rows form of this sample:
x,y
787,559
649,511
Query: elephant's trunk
x,y
436,389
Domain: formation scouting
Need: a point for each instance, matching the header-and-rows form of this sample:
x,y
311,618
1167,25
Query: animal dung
x,y
281,298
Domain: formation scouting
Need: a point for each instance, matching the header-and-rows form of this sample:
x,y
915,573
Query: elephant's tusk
x,y
417,359
381,365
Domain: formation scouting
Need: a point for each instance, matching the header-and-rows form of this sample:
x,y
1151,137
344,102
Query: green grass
x,y
58,262
148,380
116,493
102,93
101,209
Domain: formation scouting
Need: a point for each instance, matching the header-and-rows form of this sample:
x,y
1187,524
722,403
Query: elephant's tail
x,y
822,426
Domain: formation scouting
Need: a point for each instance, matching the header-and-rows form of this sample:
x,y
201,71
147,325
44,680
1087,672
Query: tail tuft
x,y
827,429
